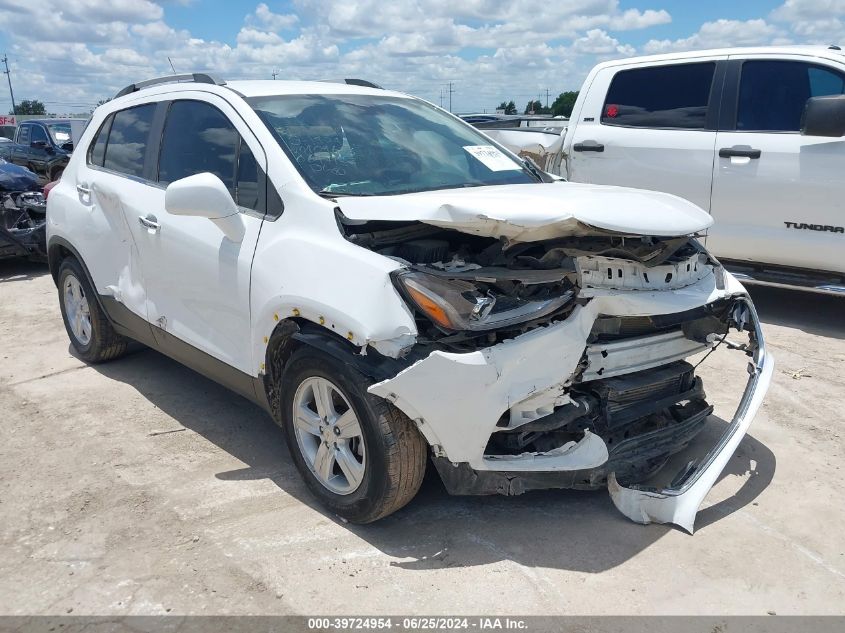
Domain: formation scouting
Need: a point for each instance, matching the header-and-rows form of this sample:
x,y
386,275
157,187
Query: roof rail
x,y
834,47
199,78
362,82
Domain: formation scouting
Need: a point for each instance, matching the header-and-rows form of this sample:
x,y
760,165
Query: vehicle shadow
x,y
572,530
807,311
20,269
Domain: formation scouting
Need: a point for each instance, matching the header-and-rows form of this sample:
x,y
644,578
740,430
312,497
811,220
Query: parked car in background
x,y
754,136
390,285
22,213
44,146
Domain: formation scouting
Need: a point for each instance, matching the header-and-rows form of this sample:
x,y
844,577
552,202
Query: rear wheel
x,y
359,455
90,332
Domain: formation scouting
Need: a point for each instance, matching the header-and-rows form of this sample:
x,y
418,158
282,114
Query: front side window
x,y
773,94
198,138
382,145
37,135
674,97
127,140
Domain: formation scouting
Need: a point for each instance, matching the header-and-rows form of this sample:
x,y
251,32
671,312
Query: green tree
x,y
510,108
537,107
563,105
29,107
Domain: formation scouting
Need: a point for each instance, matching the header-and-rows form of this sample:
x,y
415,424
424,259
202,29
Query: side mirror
x,y
824,116
205,196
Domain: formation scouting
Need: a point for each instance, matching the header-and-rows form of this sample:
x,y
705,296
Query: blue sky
x,y
71,53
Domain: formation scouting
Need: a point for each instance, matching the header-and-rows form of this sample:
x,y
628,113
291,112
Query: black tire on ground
x,y
104,343
396,453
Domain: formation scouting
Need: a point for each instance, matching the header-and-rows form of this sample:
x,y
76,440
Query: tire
x,y
57,174
90,332
392,460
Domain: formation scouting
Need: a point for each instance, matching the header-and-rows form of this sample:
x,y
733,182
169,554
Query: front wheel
x,y
359,455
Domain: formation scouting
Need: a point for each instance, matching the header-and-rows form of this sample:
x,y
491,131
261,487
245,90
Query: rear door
x,y
769,180
650,127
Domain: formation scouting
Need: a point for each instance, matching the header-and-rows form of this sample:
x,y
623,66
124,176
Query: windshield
x,y
381,145
60,133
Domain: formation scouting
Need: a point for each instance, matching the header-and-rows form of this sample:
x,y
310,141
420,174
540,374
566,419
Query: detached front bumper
x,y
459,400
679,502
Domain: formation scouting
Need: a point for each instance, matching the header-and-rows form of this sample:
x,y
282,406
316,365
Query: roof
x,y
822,51
269,87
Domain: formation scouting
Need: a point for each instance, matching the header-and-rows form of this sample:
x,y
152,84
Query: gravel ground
x,y
140,487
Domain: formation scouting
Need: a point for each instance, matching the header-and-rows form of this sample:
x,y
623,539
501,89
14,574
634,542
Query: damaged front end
x,y
566,362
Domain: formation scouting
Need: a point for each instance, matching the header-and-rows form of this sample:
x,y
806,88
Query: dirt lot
x,y
139,487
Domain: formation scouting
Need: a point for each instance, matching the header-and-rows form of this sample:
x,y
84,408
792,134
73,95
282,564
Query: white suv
x,y
388,283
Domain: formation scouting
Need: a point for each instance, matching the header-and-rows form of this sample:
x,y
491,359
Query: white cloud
x,y
78,51
721,34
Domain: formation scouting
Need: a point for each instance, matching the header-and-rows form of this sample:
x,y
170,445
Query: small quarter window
x,y
674,97
97,151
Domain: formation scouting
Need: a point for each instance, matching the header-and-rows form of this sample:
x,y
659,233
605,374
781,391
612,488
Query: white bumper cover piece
x,y
679,503
457,400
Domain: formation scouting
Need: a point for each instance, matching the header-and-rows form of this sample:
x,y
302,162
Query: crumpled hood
x,y
531,212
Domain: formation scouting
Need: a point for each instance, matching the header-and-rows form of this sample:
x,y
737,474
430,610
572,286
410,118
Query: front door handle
x,y
739,152
150,222
588,146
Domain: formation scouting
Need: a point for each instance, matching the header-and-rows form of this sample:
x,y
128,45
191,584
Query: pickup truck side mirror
x,y
824,116
204,195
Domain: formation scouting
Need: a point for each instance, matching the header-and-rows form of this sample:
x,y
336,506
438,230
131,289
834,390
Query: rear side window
x,y
772,94
200,138
97,151
127,140
23,135
673,97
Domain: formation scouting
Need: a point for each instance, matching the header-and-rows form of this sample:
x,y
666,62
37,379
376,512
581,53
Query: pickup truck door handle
x,y
150,222
739,152
588,146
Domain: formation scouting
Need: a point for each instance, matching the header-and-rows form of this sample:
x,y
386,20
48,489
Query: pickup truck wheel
x,y
359,455
90,332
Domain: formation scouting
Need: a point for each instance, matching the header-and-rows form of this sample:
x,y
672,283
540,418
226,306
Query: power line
x,y
9,77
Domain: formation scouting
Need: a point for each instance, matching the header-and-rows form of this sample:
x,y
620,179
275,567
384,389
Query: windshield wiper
x,y
325,193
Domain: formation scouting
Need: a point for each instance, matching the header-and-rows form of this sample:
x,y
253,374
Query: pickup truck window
x,y
127,142
23,135
674,97
38,135
772,94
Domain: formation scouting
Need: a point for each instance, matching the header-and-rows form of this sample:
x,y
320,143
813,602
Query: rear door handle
x,y
150,222
82,189
739,152
588,146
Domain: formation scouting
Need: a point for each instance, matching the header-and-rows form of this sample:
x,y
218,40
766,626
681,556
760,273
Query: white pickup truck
x,y
755,136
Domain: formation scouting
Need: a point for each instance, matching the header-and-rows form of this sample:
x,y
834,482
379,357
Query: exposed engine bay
x,y
554,363
496,290
23,220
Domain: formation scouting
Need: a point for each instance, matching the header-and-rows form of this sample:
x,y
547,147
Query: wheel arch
x,y
293,333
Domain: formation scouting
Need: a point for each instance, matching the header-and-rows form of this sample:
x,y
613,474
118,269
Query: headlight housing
x,y
459,305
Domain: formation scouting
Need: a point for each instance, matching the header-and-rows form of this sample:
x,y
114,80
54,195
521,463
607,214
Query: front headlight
x,y
458,305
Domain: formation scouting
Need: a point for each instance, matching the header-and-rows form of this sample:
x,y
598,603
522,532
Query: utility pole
x,y
441,97
171,65
9,77
275,74
547,98
450,96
